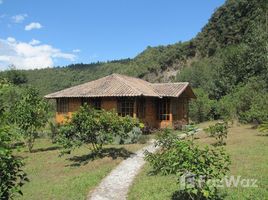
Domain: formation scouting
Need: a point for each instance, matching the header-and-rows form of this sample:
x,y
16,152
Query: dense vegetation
x,y
12,177
226,61
95,128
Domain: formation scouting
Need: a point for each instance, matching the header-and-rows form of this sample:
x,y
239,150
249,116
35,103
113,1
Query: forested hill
x,y
234,23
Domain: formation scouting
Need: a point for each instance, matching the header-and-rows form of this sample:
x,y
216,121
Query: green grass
x,y
249,155
54,177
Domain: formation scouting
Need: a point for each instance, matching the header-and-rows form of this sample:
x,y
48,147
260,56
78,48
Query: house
x,y
157,105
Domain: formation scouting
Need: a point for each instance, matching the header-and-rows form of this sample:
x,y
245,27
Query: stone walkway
x,y
115,185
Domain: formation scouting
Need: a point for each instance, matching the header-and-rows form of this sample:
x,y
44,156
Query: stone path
x,y
115,185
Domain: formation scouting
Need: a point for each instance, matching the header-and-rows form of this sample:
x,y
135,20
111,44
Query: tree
x,y
201,109
219,131
15,76
95,128
12,177
30,114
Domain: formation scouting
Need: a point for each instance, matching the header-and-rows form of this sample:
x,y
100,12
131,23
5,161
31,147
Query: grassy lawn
x,y
68,177
249,155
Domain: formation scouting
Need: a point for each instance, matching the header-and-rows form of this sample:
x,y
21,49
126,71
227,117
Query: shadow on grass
x,y
181,195
114,153
262,134
46,149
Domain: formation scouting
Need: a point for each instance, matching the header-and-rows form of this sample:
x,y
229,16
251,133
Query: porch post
x,y
135,108
170,112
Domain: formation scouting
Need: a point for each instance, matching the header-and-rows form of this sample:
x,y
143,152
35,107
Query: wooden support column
x,y
135,108
170,112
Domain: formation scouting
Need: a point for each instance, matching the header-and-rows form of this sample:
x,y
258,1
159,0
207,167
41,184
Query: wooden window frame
x,y
125,106
141,108
63,105
163,109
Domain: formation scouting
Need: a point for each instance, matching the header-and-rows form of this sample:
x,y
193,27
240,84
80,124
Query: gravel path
x,y
115,185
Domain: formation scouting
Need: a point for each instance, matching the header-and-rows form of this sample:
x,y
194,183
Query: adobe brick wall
x,y
109,103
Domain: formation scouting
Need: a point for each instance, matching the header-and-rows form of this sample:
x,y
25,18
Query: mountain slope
x,y
227,26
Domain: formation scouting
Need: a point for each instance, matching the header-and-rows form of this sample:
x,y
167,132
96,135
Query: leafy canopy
x,y
30,115
94,127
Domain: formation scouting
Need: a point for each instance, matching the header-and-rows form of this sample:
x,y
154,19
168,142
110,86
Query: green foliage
x,y
30,115
94,127
263,128
183,157
54,131
224,56
12,176
219,131
16,77
9,95
132,137
246,103
229,24
202,108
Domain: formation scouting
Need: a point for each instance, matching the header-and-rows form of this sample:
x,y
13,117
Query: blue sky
x,y
37,34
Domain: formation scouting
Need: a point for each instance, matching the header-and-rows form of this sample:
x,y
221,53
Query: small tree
x,y
30,114
197,168
94,127
219,131
12,176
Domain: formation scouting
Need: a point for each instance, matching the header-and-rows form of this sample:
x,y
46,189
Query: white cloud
x,y
11,39
28,56
33,25
19,18
34,42
76,50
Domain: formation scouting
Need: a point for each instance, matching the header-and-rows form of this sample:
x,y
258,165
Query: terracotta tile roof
x,y
117,85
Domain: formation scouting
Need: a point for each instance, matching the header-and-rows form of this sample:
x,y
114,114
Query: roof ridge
x,y
170,83
126,83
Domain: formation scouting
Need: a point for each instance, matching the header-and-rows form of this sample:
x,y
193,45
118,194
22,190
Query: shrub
x,y
96,128
202,108
147,129
184,158
219,131
54,131
263,128
179,124
12,177
30,114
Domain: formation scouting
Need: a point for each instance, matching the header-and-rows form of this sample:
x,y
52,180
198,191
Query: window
x,y
125,107
94,102
163,109
63,105
141,108
85,101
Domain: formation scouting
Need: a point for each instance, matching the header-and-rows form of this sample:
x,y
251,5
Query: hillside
x,y
229,25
